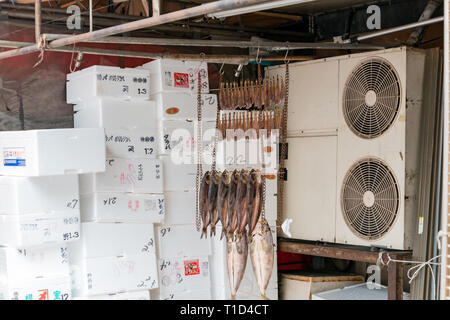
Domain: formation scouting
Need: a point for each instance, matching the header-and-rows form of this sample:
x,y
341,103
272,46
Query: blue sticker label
x,y
14,163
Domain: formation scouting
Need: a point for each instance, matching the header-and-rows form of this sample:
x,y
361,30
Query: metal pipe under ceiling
x,y
211,7
395,29
267,45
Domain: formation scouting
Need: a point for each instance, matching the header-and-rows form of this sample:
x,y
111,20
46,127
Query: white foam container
x,y
127,295
138,143
180,136
194,294
179,176
183,106
110,112
23,195
125,175
46,288
180,207
183,274
181,241
105,81
177,76
27,230
113,274
123,207
36,262
112,239
52,152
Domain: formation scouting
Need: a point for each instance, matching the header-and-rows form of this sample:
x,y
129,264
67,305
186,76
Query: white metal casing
x,y
398,147
310,190
322,147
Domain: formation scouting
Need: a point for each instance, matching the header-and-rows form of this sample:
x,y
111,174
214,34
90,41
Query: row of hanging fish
x,y
247,120
252,94
236,200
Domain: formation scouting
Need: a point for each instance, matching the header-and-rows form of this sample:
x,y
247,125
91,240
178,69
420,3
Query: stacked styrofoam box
x,y
119,206
112,258
39,211
183,257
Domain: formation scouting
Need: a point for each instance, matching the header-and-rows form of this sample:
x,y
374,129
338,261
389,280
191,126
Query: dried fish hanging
x,y
252,95
237,199
250,122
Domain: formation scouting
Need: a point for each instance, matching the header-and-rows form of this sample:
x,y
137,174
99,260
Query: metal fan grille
x,y
371,98
370,199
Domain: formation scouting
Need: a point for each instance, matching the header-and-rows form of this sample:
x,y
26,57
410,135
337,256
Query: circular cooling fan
x,y
371,98
369,198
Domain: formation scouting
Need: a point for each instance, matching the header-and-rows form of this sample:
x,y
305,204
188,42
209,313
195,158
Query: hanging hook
x,y
287,51
221,68
257,55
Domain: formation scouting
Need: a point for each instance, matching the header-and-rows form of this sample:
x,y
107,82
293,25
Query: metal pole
x,y
396,29
37,20
229,59
211,7
431,7
156,7
268,45
90,16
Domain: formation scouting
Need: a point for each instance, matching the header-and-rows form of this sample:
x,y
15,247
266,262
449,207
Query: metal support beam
x,y
395,281
228,59
431,7
396,29
395,269
211,7
156,7
268,45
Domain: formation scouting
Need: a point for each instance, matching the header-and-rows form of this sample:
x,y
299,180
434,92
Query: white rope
x,y
419,265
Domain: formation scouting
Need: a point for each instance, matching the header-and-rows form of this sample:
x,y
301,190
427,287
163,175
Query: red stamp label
x,y
173,110
181,80
191,267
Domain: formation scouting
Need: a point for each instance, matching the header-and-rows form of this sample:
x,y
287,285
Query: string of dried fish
x,y
248,94
250,122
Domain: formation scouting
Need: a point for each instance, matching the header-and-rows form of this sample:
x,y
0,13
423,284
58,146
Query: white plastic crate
x,y
123,207
183,106
52,152
175,75
110,112
24,195
183,274
132,144
48,288
112,239
105,81
37,262
170,245
125,175
27,230
105,275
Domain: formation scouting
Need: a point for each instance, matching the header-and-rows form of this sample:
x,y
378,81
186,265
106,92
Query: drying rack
x,y
360,254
